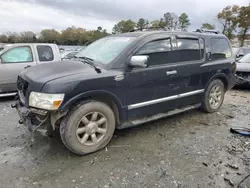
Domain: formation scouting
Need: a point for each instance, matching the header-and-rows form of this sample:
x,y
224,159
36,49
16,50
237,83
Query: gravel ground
x,y
188,150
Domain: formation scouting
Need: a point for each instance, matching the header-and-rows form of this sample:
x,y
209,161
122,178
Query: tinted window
x,y
220,49
189,49
159,52
21,54
45,53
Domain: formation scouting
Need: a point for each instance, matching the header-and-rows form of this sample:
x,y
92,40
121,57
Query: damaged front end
x,y
35,120
243,79
38,120
41,120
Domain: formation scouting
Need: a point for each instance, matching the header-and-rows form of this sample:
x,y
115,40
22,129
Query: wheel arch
x,y
103,96
221,76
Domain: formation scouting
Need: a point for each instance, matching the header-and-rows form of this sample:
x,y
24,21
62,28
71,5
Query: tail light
x,y
234,67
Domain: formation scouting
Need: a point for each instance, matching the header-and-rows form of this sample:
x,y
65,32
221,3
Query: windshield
x,y
245,59
106,49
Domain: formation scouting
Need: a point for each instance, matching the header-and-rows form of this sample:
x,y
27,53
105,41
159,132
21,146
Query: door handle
x,y
27,66
172,72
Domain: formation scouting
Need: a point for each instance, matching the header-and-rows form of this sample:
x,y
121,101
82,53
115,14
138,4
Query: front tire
x,y
214,96
88,128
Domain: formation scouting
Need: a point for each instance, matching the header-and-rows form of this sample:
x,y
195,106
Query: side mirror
x,y
139,61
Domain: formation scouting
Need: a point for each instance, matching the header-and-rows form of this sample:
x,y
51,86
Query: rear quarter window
x,y
220,48
45,53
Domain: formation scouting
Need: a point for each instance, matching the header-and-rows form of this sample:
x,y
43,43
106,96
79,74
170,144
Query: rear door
x,y
14,61
189,57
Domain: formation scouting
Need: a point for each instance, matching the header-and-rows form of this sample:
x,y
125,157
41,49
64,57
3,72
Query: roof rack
x,y
207,31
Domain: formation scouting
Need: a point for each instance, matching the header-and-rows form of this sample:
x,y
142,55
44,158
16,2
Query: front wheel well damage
x,y
110,102
57,117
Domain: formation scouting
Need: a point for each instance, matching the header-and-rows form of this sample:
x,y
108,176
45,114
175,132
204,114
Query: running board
x,y
7,94
156,117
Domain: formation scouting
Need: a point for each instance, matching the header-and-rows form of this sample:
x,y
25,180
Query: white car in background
x,y
14,58
243,71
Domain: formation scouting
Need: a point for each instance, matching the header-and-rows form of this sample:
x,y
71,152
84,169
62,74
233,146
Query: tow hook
x,y
13,105
20,121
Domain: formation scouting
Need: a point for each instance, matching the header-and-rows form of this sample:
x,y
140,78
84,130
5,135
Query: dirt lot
x,y
189,150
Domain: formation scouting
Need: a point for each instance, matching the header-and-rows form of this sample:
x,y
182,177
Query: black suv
x,y
125,80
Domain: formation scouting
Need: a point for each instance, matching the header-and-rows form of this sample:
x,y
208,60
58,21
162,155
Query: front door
x,y
149,89
14,61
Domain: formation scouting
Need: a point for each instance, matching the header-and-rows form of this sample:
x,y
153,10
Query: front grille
x,y
22,87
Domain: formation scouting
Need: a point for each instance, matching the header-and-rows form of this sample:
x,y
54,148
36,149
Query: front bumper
x,y
23,113
29,117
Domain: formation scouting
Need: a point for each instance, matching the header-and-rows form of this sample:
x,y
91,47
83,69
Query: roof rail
x,y
149,29
207,31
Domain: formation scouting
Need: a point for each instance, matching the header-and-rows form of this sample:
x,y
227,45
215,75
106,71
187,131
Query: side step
x,y
156,117
7,94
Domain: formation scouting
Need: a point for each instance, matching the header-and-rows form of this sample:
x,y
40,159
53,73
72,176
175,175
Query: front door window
x,y
21,54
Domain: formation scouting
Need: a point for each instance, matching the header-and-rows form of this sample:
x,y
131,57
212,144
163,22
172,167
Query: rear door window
x,y
220,49
45,53
189,49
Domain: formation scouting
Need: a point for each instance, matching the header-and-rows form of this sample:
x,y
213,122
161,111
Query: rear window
x,y
220,49
45,53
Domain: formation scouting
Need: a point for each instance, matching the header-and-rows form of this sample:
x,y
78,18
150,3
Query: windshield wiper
x,y
89,61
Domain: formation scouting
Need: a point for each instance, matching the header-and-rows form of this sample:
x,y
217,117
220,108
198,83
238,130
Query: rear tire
x,y
214,96
88,128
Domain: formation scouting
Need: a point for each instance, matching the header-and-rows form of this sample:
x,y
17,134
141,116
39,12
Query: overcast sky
x,y
35,15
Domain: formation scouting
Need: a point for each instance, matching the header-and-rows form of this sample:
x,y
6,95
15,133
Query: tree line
x,y
234,20
70,36
169,21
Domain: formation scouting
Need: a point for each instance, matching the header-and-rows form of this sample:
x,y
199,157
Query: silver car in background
x,y
14,58
243,71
